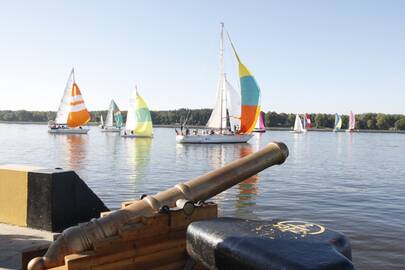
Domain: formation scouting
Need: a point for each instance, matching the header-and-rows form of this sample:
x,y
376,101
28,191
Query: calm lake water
x,y
353,183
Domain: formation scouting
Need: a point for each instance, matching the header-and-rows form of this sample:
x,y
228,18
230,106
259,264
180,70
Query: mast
x,y
218,114
226,102
221,70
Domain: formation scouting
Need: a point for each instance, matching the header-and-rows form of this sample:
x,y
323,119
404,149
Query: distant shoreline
x,y
201,127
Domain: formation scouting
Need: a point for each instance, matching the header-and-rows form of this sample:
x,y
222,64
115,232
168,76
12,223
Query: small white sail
x,y
257,126
352,121
298,124
338,122
101,120
131,117
109,121
304,123
64,106
353,126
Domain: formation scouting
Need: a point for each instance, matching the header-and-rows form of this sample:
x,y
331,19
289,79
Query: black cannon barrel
x,y
81,238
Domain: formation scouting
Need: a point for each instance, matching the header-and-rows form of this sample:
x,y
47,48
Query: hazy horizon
x,y
307,56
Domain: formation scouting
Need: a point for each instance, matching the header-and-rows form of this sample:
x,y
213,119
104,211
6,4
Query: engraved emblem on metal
x,y
299,227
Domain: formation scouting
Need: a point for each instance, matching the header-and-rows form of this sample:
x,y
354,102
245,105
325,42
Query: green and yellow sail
x,y
139,120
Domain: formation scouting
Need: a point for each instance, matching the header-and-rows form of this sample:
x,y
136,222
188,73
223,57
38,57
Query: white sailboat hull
x,y
260,130
299,131
215,138
68,130
110,129
135,136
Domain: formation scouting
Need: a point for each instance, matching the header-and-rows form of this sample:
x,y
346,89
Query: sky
x,y
306,55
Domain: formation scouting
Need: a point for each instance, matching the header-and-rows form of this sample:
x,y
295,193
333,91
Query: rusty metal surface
x,y
81,238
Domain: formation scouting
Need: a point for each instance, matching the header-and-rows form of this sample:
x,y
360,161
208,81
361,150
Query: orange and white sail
x,y
72,110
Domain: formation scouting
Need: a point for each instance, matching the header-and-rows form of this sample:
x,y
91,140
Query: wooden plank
x,y
147,262
178,265
76,261
180,221
149,227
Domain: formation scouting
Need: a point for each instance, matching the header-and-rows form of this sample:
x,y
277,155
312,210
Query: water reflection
x,y
76,146
138,157
214,156
249,188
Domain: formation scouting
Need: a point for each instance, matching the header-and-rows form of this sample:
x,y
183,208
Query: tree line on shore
x,y
199,117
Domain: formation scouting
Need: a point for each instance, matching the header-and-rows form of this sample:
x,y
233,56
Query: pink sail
x,y
261,124
259,127
308,120
352,121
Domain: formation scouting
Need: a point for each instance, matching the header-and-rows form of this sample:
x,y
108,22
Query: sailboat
x,y
260,124
72,113
240,109
338,123
139,120
113,122
352,122
307,121
298,127
101,121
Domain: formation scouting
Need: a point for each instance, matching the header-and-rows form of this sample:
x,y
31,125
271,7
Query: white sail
x,y
257,126
353,126
218,116
298,124
64,106
233,105
338,122
101,120
109,121
304,123
130,124
131,117
352,121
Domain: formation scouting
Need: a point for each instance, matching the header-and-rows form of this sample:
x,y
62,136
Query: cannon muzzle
x,y
81,238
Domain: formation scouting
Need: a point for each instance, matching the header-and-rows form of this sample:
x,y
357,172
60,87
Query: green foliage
x,y
27,116
323,120
273,119
400,124
199,117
